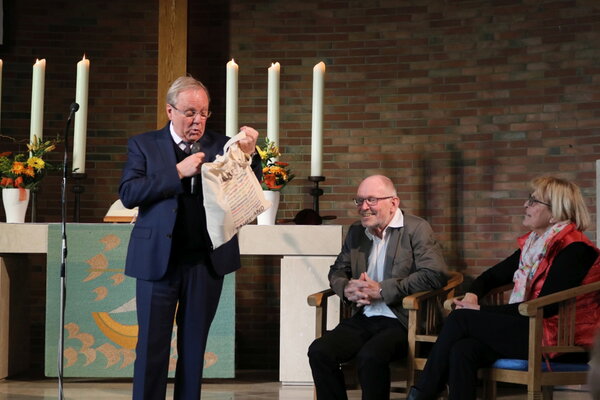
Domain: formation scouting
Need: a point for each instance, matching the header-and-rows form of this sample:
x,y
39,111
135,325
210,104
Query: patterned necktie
x,y
188,146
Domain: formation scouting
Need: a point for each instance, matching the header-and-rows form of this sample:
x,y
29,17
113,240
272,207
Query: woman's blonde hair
x,y
565,198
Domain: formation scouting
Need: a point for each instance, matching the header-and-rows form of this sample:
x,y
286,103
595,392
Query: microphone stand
x,y
63,259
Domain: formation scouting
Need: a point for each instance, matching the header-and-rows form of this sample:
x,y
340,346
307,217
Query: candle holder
x,y
78,188
33,201
315,191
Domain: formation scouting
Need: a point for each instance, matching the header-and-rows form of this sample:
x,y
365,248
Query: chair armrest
x,y
530,308
412,302
449,303
319,298
494,297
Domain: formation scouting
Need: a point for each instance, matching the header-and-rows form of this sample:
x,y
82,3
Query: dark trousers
x,y
188,294
469,340
373,341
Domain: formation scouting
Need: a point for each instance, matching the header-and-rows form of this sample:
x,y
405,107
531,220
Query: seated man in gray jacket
x,y
385,257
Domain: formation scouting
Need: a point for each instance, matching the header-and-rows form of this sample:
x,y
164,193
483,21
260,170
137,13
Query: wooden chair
x,y
533,371
423,319
424,322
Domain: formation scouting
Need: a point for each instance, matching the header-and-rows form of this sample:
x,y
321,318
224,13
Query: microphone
x,y
73,108
196,148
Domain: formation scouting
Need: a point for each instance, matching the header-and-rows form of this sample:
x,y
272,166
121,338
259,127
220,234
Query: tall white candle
x,y
273,104
316,161
37,100
80,129
231,98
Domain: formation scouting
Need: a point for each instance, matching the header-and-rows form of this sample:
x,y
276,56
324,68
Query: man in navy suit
x,y
179,275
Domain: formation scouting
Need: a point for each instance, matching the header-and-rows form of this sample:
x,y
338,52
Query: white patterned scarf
x,y
533,252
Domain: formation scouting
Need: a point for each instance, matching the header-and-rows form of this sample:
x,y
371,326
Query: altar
x,y
307,252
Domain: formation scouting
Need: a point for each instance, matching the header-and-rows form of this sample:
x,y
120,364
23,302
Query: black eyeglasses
x,y
532,200
371,201
192,113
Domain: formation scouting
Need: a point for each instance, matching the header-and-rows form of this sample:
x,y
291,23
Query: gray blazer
x,y
414,262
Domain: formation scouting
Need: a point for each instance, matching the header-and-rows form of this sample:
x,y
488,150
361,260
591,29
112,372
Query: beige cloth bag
x,y
233,196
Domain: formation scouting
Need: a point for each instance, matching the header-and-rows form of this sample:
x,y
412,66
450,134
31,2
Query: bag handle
x,y
241,135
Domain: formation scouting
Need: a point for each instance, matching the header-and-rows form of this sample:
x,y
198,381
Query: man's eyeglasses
x,y
532,200
192,113
371,201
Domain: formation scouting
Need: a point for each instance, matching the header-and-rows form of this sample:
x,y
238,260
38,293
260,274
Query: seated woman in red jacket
x,y
555,255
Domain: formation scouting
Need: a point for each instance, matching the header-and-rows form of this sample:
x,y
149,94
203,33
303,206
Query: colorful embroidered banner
x,y
100,323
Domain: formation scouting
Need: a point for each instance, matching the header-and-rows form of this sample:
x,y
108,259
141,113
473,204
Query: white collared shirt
x,y
178,141
376,265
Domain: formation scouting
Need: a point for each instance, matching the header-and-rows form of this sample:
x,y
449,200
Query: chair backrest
x,y
498,296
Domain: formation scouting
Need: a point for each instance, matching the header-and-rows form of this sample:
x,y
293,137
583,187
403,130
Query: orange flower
x,y
269,180
17,168
7,182
19,182
29,171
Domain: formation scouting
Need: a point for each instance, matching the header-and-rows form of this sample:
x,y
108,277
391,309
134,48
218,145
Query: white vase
x,y
269,215
14,209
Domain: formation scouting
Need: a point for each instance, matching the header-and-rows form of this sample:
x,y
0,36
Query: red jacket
x,y
588,306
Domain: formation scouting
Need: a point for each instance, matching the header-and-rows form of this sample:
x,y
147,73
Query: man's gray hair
x,y
181,84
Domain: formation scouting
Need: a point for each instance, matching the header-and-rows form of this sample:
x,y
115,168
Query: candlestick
x,y
80,129
37,100
315,191
316,162
273,104
231,105
33,201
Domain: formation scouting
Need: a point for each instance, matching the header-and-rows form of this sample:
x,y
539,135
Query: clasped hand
x,y
363,290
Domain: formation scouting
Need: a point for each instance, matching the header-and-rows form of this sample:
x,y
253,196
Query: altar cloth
x,y
100,325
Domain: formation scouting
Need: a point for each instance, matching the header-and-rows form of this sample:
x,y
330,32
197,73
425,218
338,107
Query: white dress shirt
x,y
377,263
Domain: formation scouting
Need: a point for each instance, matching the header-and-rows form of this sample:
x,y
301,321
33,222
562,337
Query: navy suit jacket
x,y
150,182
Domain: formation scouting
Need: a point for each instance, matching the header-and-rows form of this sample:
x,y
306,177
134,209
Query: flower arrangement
x,y
25,170
276,174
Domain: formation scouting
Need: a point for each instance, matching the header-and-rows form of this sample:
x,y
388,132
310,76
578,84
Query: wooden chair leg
x,y
534,395
489,389
547,392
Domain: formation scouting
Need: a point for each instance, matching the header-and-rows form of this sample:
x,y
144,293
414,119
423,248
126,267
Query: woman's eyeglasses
x,y
532,200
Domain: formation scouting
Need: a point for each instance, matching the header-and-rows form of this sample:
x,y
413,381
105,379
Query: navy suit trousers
x,y
188,294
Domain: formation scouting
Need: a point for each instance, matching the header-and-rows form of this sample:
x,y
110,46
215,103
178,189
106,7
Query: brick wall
x,y
460,102
121,44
